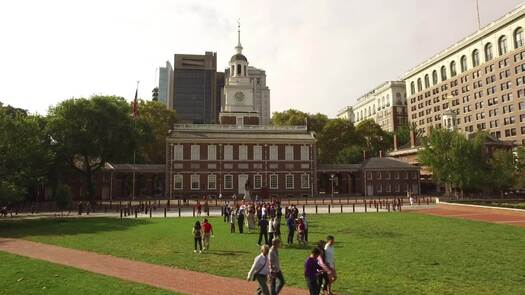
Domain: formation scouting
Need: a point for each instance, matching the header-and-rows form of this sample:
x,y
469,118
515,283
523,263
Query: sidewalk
x,y
178,280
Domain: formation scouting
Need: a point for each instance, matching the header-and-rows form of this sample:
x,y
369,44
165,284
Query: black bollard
x,y
341,208
120,213
150,212
328,208
315,209
353,208
366,210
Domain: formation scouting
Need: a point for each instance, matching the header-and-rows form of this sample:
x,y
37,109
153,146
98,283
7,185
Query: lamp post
x,y
332,180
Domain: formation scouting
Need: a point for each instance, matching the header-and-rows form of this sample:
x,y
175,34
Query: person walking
x,y
259,271
276,275
208,232
290,222
311,272
232,220
330,260
240,220
197,236
263,231
324,277
271,229
305,227
199,208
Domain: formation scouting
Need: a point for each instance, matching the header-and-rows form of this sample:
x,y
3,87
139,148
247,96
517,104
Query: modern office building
x,y
481,79
165,83
261,93
385,104
195,90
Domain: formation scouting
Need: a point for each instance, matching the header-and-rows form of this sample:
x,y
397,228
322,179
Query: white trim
x,y
192,182
276,181
224,180
175,177
255,182
214,182
286,181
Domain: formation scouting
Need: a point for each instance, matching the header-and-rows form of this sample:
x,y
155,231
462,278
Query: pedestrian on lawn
x,y
271,229
276,275
330,260
290,222
311,272
305,227
208,232
263,231
259,271
199,208
197,236
324,278
233,219
240,221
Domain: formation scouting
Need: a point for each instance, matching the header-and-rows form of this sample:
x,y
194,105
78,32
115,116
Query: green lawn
x,y
21,275
376,253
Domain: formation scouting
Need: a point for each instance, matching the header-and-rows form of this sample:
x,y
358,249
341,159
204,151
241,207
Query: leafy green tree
x,y
520,169
157,120
10,193
350,155
294,117
63,198
336,135
88,133
375,138
503,170
403,133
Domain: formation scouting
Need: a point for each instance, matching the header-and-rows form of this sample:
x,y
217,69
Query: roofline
x,y
509,17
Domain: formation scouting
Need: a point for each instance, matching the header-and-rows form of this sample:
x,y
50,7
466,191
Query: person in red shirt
x,y
208,232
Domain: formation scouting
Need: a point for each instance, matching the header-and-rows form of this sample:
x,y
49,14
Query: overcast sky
x,y
319,56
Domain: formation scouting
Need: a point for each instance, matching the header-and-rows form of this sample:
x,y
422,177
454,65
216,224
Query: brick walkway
x,y
494,215
178,280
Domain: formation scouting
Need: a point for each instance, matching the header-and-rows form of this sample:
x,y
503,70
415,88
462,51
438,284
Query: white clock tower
x,y
238,107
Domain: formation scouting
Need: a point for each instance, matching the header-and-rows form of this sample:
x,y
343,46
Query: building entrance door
x,y
243,178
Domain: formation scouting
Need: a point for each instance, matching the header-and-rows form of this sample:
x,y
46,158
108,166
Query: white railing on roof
x,y
213,127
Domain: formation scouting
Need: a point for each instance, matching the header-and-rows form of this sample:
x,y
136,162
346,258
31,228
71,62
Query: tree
x,y
403,133
10,193
350,155
336,135
155,94
88,133
520,169
294,117
375,138
502,170
25,150
156,121
63,198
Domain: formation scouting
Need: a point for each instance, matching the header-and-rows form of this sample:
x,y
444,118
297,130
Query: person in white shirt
x,y
330,260
259,270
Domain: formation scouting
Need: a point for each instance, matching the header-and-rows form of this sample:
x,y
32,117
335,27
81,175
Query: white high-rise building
x,y
261,93
165,82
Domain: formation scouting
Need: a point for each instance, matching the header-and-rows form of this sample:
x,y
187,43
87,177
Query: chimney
x,y
412,138
395,142
380,153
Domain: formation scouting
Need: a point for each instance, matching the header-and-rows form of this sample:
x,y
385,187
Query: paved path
x,y
494,215
178,280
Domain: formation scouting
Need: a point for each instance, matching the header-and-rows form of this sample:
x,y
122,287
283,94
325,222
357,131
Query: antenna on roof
x,y
477,10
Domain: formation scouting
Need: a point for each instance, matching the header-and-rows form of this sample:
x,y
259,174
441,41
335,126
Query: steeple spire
x,y
238,48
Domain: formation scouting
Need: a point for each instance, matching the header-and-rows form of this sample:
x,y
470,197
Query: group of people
x,y
319,269
201,235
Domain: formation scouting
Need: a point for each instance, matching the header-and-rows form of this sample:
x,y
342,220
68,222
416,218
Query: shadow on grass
x,y
65,226
226,253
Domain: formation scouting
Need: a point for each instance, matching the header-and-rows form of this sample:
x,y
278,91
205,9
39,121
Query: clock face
x,y
239,96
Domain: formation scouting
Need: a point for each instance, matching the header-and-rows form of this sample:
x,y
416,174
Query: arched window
x,y
443,73
412,88
419,86
518,37
383,103
502,45
453,68
475,58
488,52
434,77
463,62
427,81
239,69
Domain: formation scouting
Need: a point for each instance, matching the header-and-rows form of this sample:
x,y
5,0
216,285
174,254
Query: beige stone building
x,y
481,79
385,104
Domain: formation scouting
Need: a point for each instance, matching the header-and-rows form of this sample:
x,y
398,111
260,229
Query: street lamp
x,y
332,180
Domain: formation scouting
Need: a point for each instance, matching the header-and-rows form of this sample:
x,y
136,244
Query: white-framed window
x,y
398,188
257,181
228,152
178,152
212,152
195,182
177,181
305,153
289,181
379,188
388,188
305,181
243,152
274,153
212,182
288,153
195,152
274,181
257,153
228,181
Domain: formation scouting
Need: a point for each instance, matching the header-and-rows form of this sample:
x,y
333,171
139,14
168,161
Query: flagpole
x,y
134,128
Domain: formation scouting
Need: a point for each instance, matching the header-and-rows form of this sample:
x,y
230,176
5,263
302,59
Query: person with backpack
x,y
197,236
259,271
